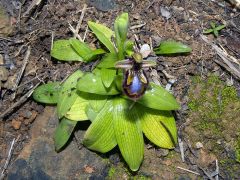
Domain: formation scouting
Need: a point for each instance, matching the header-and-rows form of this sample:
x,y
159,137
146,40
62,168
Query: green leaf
x,y
107,76
108,61
63,132
158,98
62,50
213,25
100,135
220,27
128,48
92,83
103,33
128,132
121,29
159,127
68,94
171,47
84,50
77,111
47,93
215,32
208,31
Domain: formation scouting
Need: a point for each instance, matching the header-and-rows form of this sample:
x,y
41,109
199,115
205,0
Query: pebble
x,y
1,59
10,83
162,152
199,145
16,124
188,37
3,73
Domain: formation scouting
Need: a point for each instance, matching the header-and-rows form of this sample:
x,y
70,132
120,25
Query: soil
x,y
21,28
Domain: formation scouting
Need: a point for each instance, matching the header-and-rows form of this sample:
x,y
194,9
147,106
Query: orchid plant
x,y
117,96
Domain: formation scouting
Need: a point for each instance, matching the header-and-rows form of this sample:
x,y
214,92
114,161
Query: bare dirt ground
x,y
26,36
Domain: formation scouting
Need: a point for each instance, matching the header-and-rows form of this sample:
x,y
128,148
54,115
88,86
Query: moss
x,y
111,172
214,113
237,150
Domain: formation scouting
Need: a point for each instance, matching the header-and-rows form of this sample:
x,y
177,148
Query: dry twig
x,y
8,158
229,62
190,171
19,102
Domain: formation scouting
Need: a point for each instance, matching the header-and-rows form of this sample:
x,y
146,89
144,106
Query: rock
x,y
10,83
162,152
26,114
6,22
16,124
103,5
39,160
199,145
165,12
3,73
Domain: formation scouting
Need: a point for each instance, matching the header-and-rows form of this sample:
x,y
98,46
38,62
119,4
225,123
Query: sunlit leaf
x,y
157,97
121,29
68,94
77,111
220,27
208,31
63,132
128,132
159,127
107,76
128,47
84,50
91,83
62,50
47,93
100,135
171,47
103,33
108,61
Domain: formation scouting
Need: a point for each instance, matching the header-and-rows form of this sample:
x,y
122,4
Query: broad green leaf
x,y
68,94
121,29
98,52
103,33
108,61
77,111
107,76
63,132
92,83
128,132
47,93
98,102
62,50
159,127
158,98
91,114
100,135
172,47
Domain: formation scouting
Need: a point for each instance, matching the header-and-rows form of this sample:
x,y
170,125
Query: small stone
x,y
219,141
10,83
199,145
162,152
27,114
1,59
16,124
3,73
188,37
165,12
